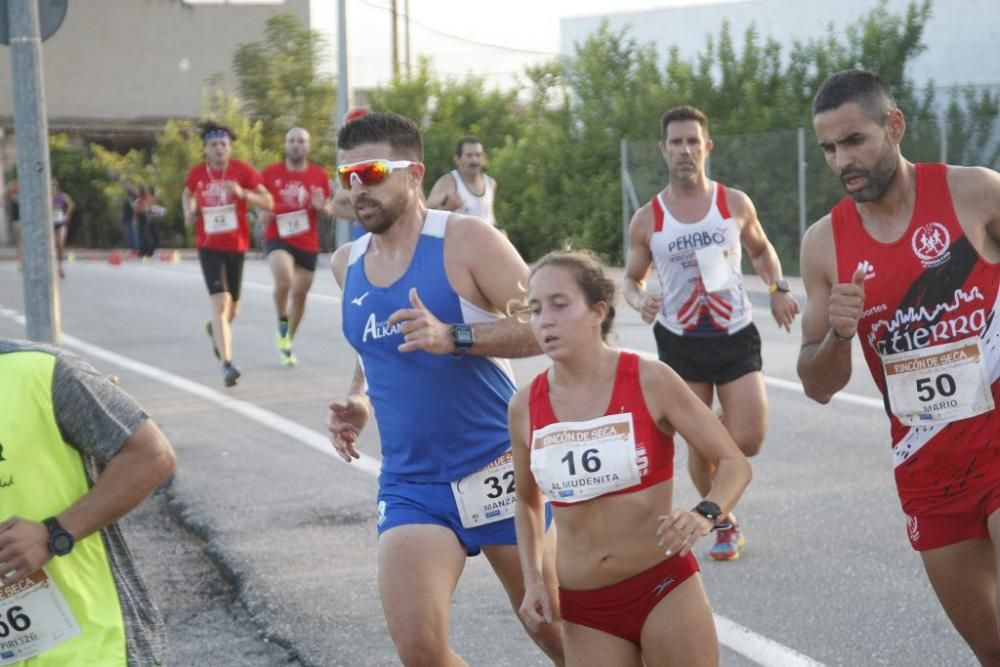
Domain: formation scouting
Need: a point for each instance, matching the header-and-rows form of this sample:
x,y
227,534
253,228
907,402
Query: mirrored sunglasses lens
x,y
369,173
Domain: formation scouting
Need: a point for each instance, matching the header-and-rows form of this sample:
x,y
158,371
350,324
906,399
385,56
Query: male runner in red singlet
x,y
302,193
909,263
693,233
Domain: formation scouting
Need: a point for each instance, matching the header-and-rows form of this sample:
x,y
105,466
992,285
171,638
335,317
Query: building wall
x,y
126,60
956,40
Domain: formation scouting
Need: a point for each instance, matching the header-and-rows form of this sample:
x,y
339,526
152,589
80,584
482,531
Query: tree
x,y
280,84
448,109
81,178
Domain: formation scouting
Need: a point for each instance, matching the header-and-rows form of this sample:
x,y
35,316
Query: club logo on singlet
x,y
293,193
375,329
931,244
2,459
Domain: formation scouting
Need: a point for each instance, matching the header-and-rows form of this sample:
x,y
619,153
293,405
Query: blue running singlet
x,y
439,417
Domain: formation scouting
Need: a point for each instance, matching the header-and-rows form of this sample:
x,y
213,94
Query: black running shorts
x,y
713,359
223,271
307,260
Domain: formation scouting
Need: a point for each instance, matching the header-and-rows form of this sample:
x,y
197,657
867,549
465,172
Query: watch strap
x,y
56,533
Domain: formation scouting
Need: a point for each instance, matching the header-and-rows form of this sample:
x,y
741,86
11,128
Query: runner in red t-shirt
x,y
301,191
909,263
216,197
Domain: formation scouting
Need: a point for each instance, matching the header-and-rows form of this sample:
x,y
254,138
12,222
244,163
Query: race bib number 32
x,y
487,495
34,617
938,384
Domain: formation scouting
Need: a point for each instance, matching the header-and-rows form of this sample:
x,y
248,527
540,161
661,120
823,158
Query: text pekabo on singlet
x,y
930,333
440,418
480,206
698,265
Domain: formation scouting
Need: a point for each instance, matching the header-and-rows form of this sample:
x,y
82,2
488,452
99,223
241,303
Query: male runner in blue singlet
x,y
424,293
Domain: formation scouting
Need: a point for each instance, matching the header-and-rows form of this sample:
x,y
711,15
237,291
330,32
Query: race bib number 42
x,y
220,219
938,384
34,617
487,495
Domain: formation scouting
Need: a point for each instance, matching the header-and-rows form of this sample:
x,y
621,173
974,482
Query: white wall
x,y
962,36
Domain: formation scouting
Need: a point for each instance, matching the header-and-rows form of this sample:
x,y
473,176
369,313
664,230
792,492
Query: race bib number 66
x,y
34,617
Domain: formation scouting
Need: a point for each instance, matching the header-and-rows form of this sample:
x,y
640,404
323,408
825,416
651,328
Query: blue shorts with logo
x,y
402,502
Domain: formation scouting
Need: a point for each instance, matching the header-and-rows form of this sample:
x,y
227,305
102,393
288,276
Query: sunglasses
x,y
369,172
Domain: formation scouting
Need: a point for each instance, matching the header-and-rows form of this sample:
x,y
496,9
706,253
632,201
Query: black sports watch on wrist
x,y
709,510
60,540
713,513
463,337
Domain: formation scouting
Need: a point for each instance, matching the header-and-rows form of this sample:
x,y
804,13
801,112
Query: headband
x,y
216,134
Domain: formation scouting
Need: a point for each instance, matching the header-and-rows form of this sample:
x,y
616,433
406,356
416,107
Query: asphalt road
x,y
261,549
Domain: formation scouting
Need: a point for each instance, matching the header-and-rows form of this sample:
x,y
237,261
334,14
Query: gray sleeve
x,y
94,415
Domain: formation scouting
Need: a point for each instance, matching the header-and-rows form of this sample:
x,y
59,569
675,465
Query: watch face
x,y
62,544
462,334
708,509
783,286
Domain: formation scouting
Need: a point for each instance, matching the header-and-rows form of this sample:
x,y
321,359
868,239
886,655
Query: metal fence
x,y
786,175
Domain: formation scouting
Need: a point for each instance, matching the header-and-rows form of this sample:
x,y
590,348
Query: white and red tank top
x,y
930,333
698,264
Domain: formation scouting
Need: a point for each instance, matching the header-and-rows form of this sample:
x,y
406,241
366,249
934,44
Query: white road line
x,y
840,396
757,648
247,284
793,386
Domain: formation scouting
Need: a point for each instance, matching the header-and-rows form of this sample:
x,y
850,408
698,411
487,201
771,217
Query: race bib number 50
x,y
938,384
487,495
34,617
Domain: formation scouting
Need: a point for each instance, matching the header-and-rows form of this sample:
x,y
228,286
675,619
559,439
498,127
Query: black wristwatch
x,y
709,510
463,337
780,285
60,540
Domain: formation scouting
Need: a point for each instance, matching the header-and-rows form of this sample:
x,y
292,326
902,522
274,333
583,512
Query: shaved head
x,y
297,147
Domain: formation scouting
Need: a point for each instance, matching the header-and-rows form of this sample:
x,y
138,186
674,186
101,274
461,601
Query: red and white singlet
x,y
699,268
930,333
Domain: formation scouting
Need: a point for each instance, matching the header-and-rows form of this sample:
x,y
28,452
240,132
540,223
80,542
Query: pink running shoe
x,y
728,543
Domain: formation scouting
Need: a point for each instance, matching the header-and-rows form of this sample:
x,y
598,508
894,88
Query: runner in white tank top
x,y
698,264
466,190
693,233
